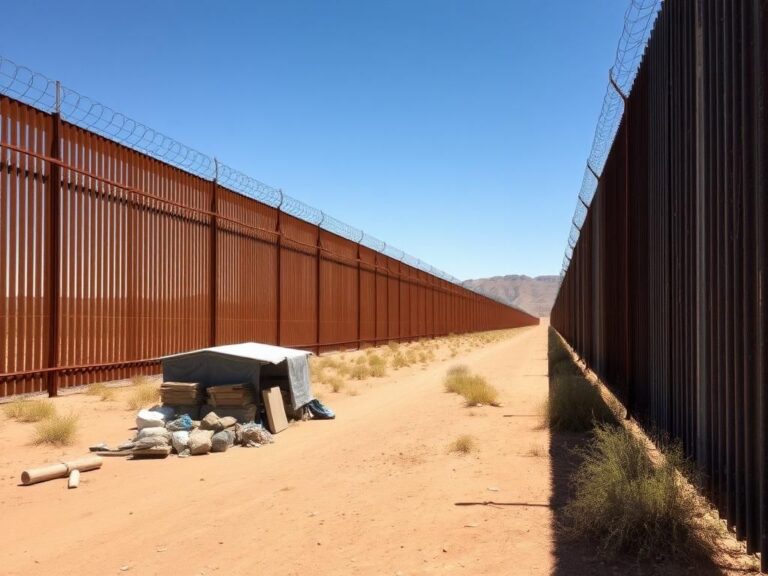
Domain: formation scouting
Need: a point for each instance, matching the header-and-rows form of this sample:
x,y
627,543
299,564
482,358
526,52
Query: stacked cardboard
x,y
181,393
231,395
236,400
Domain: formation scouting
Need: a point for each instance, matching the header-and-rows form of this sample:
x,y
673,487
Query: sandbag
x,y
222,440
149,419
151,442
180,441
153,431
200,442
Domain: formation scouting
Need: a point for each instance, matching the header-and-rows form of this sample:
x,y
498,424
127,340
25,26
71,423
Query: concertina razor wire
x,y
35,89
638,23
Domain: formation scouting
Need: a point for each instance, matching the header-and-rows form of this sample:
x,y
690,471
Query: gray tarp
x,y
241,363
298,375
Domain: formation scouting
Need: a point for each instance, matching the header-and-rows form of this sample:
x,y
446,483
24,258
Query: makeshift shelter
x,y
261,365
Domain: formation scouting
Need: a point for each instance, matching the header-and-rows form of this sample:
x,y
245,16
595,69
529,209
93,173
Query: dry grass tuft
x,y
359,372
628,505
377,366
56,430
335,382
575,405
399,361
145,393
29,410
101,390
464,444
474,388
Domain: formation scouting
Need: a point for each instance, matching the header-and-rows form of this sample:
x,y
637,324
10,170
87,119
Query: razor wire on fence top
x,y
25,85
638,23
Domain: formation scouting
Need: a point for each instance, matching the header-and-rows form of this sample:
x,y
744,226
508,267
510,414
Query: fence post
x,y
627,343
53,248
375,298
213,256
359,294
317,281
278,273
702,380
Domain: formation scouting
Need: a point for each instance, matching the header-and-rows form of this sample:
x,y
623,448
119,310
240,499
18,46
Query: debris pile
x,y
162,431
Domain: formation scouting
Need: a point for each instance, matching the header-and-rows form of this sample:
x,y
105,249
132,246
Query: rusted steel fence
x,y
664,295
110,258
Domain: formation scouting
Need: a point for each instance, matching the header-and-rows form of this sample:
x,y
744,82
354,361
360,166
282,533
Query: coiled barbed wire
x,y
638,23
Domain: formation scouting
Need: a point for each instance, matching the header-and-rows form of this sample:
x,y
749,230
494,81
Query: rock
x,y
227,422
222,440
211,422
200,442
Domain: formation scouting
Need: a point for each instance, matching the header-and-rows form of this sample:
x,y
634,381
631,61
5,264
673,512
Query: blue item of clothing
x,y
320,410
183,422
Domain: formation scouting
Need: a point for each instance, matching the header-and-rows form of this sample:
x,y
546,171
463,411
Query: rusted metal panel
x,y
129,259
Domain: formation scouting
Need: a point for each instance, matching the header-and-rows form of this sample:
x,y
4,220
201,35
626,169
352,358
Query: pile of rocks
x,y
161,432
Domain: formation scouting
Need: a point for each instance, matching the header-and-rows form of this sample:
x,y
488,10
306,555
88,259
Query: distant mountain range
x,y
534,295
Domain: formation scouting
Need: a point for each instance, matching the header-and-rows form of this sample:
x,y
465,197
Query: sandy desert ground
x,y
375,491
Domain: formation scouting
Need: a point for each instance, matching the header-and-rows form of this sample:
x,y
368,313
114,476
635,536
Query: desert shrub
x,y
464,444
56,430
400,361
574,404
394,347
335,382
29,410
328,363
144,393
478,391
359,372
626,504
101,390
475,389
412,356
377,366
361,360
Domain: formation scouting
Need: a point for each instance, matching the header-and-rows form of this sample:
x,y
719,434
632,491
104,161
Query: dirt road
x,y
373,492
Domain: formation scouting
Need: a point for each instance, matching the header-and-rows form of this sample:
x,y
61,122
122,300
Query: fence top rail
x,y
39,91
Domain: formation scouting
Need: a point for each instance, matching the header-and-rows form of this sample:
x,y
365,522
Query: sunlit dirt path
x,y
373,492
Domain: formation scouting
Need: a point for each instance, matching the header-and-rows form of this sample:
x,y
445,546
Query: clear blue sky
x,y
457,131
